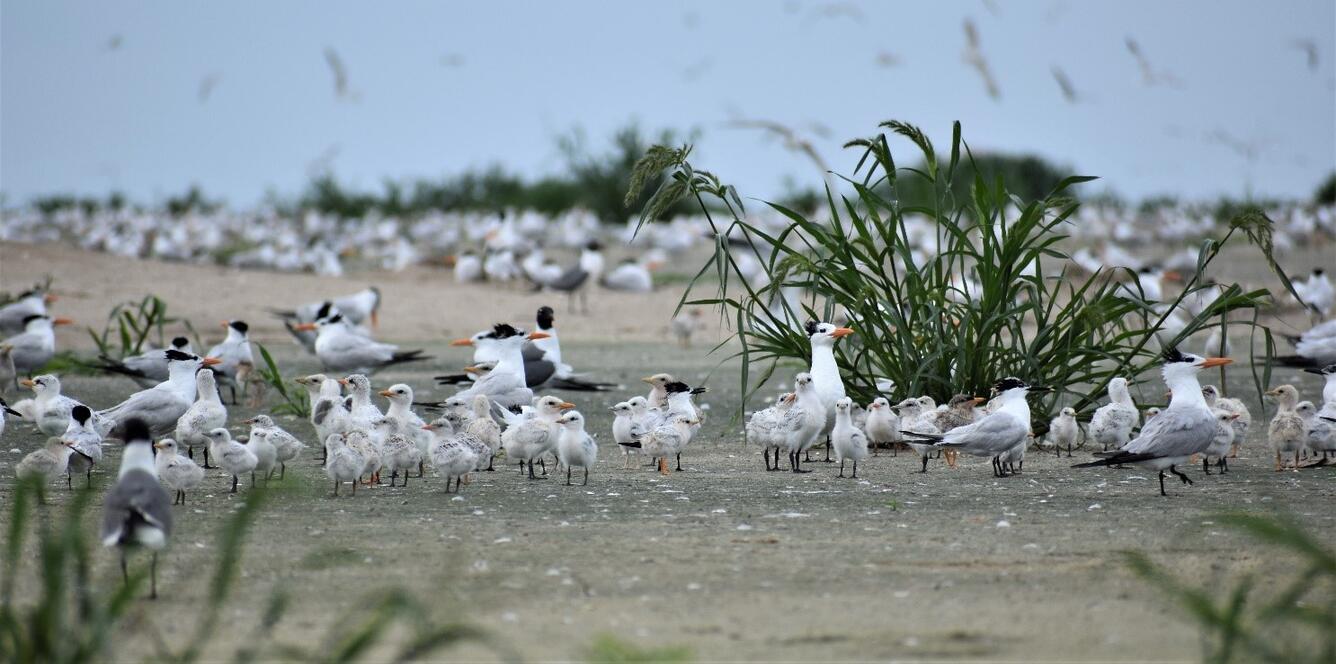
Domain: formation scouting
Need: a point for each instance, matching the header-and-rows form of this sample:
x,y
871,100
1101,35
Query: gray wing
x,y
1173,433
569,280
322,411
152,404
353,351
136,498
537,372
997,432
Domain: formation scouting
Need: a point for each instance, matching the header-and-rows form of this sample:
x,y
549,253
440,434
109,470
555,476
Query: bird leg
x,y
252,479
679,462
69,486
394,475
1296,461
841,468
828,459
586,479
336,488
542,463
855,475
89,477
125,573
925,463
1223,464
663,466
536,477
153,577
206,459
1234,450
568,475
1162,493
1181,476
1280,465
234,484
1205,465
490,469
354,483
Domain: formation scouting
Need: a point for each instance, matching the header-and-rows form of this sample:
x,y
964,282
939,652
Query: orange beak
x,y
1173,275
226,323
26,383
538,335
211,361
472,370
344,382
305,327
375,318
566,405
978,400
791,398
1216,362
842,332
63,321
426,427
462,342
385,393
157,446
50,297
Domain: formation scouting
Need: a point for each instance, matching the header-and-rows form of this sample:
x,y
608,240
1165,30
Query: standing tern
x,y
160,406
451,455
849,442
1111,425
136,512
1064,430
233,354
1288,433
204,415
85,442
996,433
51,410
36,345
342,350
882,425
765,427
505,385
805,421
13,316
825,371
179,473
575,447
1184,428
148,368
1241,423
46,463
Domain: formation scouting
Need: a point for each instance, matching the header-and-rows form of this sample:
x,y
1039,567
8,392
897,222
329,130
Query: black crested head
x,y
29,293
81,413
504,331
239,326
546,317
337,318
812,327
180,342
323,311
1317,271
676,386
174,355
375,291
31,318
136,431
594,245
1009,383
1172,355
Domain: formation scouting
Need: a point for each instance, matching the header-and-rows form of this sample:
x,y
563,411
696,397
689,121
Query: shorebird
x,y
136,512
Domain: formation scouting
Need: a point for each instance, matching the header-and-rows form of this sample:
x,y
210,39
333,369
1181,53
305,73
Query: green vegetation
x,y
295,402
994,299
132,324
608,649
1294,623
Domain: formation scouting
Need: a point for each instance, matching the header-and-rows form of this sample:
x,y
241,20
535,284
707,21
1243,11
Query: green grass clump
x,y
608,649
996,299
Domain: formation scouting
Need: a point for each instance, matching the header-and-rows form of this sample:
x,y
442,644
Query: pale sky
x,y
96,96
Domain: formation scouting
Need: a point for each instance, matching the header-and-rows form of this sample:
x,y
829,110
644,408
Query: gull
x,y
28,303
31,349
1241,423
575,447
849,442
233,353
529,437
506,384
1111,425
204,415
765,427
882,425
342,463
50,409
342,350
825,372
233,457
179,473
399,451
1064,430
1221,443
160,406
451,456
626,429
1288,432
46,463
135,512
85,442
1184,428
996,433
543,356
575,280
286,446
148,368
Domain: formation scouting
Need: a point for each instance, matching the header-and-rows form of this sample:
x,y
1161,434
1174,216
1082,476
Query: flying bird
x,y
887,59
1148,74
114,43
1065,84
1309,47
974,58
790,136
207,84
340,72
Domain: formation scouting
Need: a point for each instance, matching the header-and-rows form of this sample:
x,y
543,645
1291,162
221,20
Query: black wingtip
x,y
1294,361
409,356
635,444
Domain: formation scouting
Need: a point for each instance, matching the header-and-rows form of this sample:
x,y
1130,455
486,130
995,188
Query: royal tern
x,y
45,463
1064,430
1184,428
342,462
575,447
203,416
234,355
328,416
367,444
481,425
505,385
286,445
626,429
1111,425
357,308
6,411
1241,424
9,376
233,457
529,437
632,275
31,349
1221,444
882,425
341,349
805,422
1288,433
914,416
179,473
362,411
767,428
996,433
136,512
50,409
148,368
13,316
409,424
846,439
459,423
1314,348
86,443
399,452
266,455
825,371
160,406
667,439
452,457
